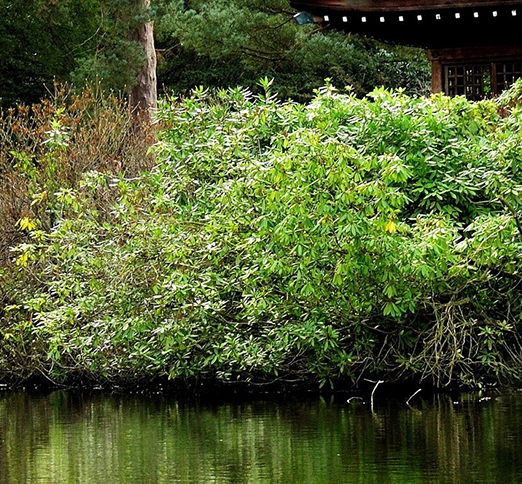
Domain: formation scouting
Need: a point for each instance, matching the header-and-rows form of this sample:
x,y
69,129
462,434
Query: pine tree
x,y
227,43
143,97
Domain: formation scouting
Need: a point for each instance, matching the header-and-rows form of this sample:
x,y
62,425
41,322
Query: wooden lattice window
x,y
472,81
477,81
507,73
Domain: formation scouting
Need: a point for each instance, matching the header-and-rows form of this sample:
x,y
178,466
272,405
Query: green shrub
x,y
285,242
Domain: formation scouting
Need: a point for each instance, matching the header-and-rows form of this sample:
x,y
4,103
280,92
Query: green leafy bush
x,y
276,241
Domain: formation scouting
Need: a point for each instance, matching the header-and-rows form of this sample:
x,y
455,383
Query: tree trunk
x,y
143,98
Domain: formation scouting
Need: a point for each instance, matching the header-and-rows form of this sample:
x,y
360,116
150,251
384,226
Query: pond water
x,y
96,437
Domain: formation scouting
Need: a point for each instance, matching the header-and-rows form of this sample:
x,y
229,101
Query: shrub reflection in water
x,y
67,437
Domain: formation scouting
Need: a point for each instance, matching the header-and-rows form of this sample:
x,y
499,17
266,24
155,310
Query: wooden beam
x,y
437,77
396,5
473,54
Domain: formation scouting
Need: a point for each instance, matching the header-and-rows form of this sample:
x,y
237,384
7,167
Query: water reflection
x,y
98,438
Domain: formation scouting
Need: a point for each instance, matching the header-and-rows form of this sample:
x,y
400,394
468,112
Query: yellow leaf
x,y
25,223
38,198
391,227
22,260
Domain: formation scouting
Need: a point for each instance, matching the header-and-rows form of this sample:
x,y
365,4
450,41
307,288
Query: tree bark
x,y
143,97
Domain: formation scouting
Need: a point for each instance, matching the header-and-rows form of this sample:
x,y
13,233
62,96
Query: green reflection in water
x,y
99,438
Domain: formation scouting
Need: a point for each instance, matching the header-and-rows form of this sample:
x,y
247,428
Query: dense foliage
x,y
231,43
276,241
216,43
39,42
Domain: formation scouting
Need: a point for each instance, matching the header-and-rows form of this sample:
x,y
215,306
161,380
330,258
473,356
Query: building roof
x,y
423,23
397,5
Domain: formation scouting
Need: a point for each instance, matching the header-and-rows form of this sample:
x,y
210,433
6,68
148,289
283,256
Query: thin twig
x,y
375,388
408,401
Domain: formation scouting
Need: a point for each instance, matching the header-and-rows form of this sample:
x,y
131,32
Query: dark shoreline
x,y
214,389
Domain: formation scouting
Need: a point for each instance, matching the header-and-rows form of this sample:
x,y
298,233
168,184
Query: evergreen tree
x,y
114,55
212,43
39,42
237,42
91,41
143,96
